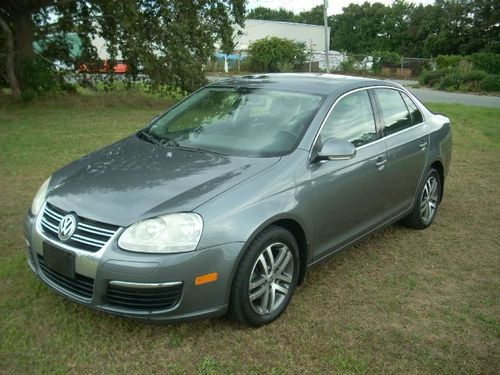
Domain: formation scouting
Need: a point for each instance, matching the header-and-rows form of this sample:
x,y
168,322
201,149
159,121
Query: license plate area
x,y
58,260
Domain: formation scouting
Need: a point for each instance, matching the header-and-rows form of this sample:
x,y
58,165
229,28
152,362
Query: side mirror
x,y
336,149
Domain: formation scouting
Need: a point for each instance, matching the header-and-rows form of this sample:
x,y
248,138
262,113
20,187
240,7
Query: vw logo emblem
x,y
67,227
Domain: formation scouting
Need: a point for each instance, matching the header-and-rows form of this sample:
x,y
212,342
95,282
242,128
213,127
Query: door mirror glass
x,y
336,149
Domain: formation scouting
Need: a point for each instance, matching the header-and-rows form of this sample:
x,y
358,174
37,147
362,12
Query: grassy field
x,y
402,301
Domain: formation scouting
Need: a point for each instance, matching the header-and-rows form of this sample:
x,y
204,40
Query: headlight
x,y
39,197
173,233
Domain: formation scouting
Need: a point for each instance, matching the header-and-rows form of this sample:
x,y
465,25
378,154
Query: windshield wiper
x,y
174,144
150,138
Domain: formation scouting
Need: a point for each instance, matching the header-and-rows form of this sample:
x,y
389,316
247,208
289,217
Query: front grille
x,y
80,285
161,298
89,235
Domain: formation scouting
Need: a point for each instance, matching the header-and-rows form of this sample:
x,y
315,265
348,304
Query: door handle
x,y
422,145
381,162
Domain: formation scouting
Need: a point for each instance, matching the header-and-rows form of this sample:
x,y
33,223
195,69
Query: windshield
x,y
238,121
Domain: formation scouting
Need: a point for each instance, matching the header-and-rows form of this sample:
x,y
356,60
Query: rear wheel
x,y
266,278
427,202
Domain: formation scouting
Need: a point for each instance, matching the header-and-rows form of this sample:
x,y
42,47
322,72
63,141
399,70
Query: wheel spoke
x,y
270,257
284,263
281,255
265,301
256,284
263,263
423,211
284,277
281,289
272,298
258,293
434,186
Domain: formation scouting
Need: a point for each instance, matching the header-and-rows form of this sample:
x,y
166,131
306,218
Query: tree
x,y
268,14
171,39
276,54
312,17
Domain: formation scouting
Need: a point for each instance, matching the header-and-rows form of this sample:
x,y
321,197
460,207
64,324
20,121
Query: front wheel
x,y
266,278
427,202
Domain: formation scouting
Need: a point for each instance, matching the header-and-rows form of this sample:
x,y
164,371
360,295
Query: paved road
x,y
434,96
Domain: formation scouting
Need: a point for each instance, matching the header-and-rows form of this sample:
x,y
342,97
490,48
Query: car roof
x,y
311,83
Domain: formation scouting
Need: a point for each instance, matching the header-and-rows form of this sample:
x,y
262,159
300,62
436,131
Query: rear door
x,y
407,140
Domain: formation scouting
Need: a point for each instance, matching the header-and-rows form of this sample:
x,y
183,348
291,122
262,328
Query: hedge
x,y
485,61
456,79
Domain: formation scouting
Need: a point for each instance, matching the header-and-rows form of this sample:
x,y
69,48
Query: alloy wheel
x,y
271,278
429,200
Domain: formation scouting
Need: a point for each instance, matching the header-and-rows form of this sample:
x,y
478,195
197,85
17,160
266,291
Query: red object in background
x,y
120,68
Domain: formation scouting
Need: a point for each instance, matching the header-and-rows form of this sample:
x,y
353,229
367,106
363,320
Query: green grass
x,y
402,301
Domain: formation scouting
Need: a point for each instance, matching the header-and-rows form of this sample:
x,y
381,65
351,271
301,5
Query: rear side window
x,y
351,120
415,114
394,112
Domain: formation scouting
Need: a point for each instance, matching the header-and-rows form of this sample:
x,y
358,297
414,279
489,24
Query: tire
x,y
267,272
426,202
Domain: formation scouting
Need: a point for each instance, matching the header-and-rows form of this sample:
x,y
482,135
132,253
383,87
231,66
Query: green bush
x,y
491,83
448,61
385,59
474,75
488,62
38,76
276,54
431,78
451,79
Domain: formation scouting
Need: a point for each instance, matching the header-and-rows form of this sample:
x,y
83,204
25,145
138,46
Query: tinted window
x,y
416,115
394,111
351,120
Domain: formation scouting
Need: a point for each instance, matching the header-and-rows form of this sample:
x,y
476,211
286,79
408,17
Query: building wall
x,y
259,29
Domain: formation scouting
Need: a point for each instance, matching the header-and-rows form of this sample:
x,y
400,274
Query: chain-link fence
x,y
382,64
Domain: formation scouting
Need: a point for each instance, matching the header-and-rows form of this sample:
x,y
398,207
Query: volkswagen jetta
x,y
224,201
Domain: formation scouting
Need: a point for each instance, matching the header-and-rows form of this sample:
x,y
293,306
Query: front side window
x,y
351,120
394,112
238,121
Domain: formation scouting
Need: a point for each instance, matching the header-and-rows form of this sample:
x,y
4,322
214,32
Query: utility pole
x,y
327,47
310,54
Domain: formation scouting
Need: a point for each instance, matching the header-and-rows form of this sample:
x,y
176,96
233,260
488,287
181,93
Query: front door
x,y
349,193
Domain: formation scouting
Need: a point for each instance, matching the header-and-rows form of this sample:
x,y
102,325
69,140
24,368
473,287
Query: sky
x,y
334,6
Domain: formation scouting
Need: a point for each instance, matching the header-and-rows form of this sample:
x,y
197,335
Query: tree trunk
x,y
23,42
11,71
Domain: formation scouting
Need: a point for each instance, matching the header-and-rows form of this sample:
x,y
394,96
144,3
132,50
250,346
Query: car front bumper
x,y
138,271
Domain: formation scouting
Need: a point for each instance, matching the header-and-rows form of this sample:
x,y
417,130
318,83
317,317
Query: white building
x,y
312,35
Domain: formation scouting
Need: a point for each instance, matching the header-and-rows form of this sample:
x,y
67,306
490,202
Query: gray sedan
x,y
223,202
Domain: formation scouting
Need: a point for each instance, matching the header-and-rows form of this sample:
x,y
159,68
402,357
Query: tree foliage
x,y
313,16
446,27
171,40
276,54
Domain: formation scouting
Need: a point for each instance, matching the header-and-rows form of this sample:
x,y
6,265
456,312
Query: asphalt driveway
x,y
435,96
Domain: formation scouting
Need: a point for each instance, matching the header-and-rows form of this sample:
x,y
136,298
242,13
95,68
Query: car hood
x,y
132,180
